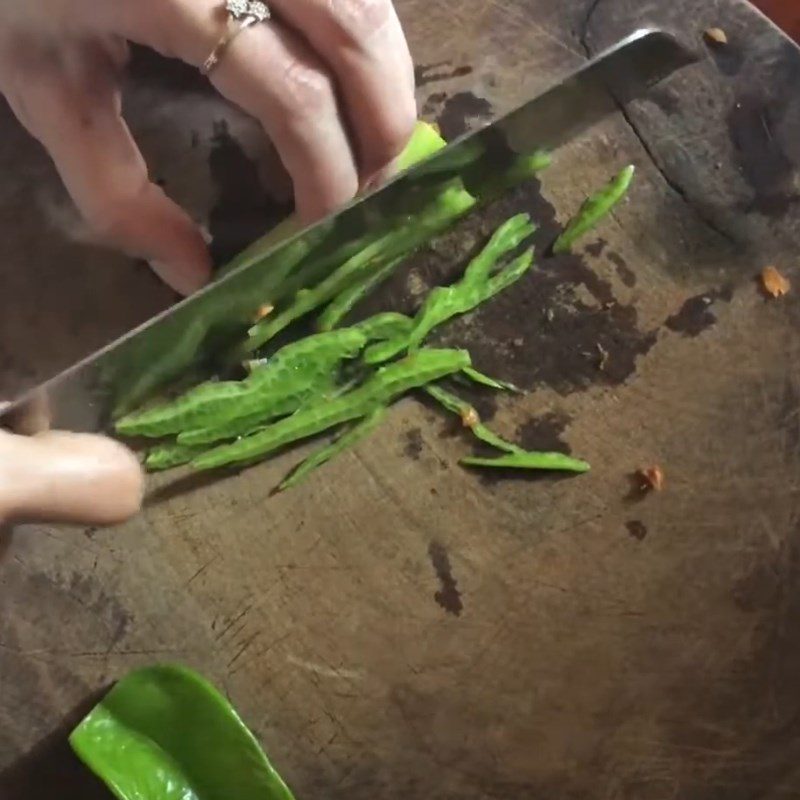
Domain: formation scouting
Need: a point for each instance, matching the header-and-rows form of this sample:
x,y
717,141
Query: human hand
x,y
64,477
330,81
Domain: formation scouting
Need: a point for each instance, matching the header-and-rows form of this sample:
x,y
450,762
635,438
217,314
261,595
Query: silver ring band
x,y
241,15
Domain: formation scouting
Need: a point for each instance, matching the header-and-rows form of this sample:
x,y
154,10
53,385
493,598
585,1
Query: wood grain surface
x,y
398,627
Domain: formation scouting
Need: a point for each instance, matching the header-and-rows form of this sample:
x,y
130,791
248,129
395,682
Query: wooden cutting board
x,y
398,627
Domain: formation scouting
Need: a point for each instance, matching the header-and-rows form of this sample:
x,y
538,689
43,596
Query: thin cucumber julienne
x,y
387,325
342,305
510,235
497,182
515,457
491,383
446,207
345,441
312,377
448,302
388,383
594,209
291,371
424,142
481,281
554,462
470,419
169,456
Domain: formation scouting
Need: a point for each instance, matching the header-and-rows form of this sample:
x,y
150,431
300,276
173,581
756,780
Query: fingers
x,y
66,477
363,42
70,102
273,75
269,72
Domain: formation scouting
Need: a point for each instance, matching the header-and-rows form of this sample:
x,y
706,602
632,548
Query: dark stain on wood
x,y
544,434
550,329
637,529
243,209
443,71
448,596
697,313
595,249
413,444
625,273
460,112
432,106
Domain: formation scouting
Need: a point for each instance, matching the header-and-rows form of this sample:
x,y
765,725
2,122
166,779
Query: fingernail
x,y
208,237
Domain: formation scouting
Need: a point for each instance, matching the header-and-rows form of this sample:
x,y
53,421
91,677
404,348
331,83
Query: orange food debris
x,y
775,284
717,36
470,418
263,311
652,478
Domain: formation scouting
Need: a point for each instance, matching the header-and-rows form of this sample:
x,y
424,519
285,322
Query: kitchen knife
x,y
188,336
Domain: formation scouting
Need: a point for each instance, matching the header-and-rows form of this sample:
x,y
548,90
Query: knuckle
x,y
395,131
110,216
399,131
361,20
309,90
107,220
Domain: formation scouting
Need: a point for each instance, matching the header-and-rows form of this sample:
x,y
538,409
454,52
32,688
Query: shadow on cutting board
x,y
51,769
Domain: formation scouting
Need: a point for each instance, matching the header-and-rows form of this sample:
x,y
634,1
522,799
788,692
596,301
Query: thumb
x,y
67,477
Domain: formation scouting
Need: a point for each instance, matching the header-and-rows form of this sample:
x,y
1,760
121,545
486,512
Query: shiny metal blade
x,y
189,335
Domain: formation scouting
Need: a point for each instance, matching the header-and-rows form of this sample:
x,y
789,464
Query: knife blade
x,y
186,337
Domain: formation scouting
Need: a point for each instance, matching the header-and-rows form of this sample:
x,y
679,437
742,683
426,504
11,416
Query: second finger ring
x,y
241,15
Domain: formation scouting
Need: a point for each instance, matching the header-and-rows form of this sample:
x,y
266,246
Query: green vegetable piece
x,y
510,235
533,461
381,352
425,141
469,416
165,733
350,297
208,399
477,286
246,424
407,236
317,348
169,456
444,303
389,382
387,325
287,375
272,408
350,438
499,180
491,383
594,209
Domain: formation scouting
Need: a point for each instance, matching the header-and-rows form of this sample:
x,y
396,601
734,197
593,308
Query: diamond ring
x,y
241,15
